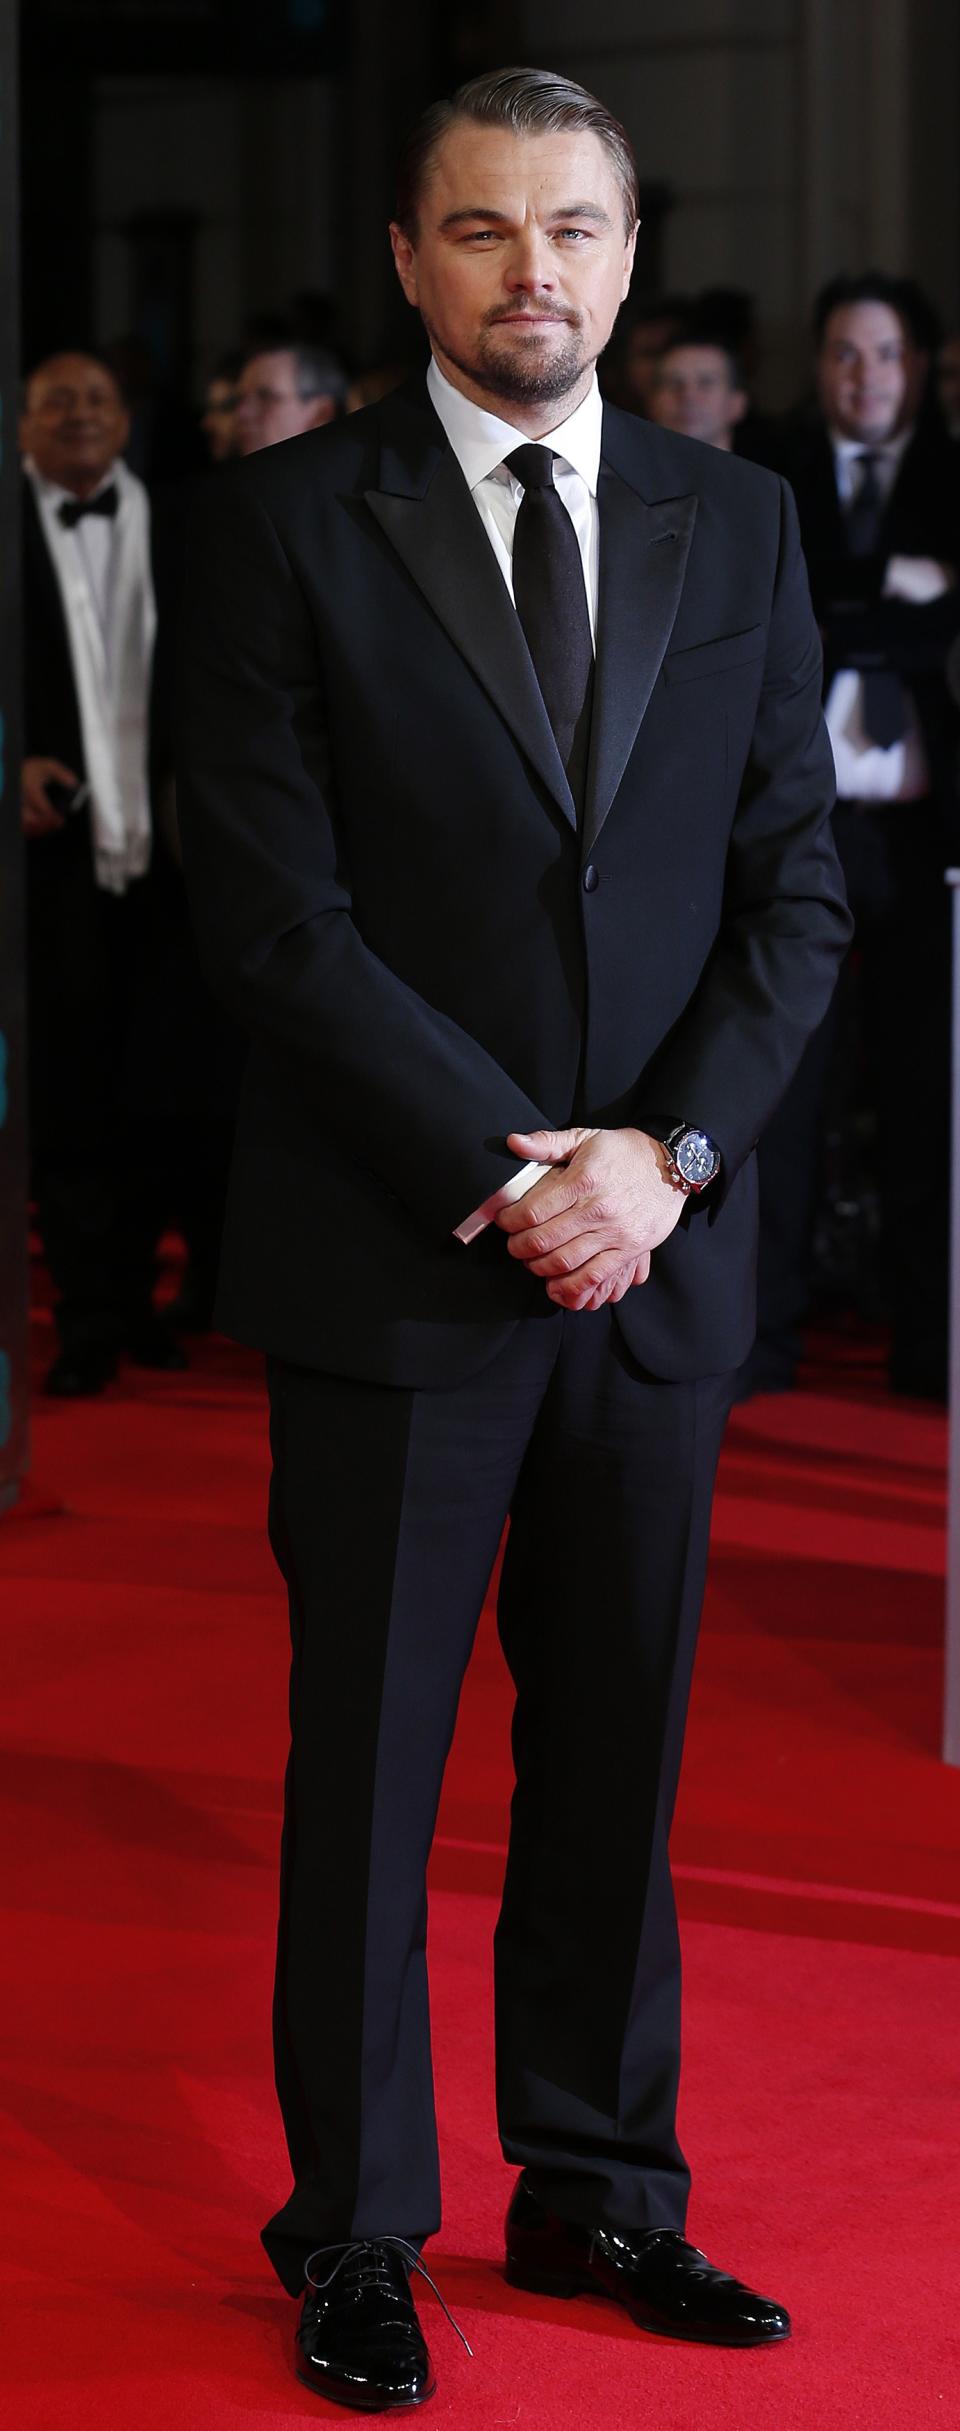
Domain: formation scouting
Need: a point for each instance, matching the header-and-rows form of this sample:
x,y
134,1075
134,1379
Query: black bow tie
x,y
106,502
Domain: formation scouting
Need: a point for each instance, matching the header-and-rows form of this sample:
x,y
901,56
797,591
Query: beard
x,y
516,374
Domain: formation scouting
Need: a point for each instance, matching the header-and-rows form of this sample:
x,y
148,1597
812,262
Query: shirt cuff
x,y
516,1188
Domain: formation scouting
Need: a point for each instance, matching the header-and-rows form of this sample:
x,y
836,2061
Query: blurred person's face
x,y
269,406
869,373
519,265
74,422
218,419
645,346
948,384
694,392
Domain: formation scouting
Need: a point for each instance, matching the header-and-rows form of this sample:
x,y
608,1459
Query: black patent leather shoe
x,y
359,2340
665,2284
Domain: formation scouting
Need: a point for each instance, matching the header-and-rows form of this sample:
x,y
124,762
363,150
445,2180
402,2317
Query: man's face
x,y
644,349
218,419
519,264
869,373
269,406
694,392
74,422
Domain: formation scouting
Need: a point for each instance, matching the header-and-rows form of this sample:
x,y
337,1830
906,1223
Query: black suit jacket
x,y
862,629
387,878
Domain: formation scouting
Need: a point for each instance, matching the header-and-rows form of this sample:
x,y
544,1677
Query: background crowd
x,y
134,1074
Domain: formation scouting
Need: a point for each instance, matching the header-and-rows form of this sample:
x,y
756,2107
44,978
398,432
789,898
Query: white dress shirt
x,y
480,442
868,771
92,539
103,573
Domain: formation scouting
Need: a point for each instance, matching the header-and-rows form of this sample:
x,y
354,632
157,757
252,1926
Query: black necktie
x,y
883,702
106,502
551,600
865,512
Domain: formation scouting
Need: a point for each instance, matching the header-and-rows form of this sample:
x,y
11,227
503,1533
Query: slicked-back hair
x,y
528,101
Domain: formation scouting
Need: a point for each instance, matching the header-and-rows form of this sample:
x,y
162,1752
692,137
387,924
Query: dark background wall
x,y
190,161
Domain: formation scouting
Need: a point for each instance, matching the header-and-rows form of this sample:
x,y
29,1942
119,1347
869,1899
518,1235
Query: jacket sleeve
x,y
894,633
403,1088
785,923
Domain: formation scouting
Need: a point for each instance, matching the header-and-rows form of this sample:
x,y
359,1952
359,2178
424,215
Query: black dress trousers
x,y
387,1507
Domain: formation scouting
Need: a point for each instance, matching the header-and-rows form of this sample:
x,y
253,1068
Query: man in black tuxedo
x,y
877,486
89,616
505,800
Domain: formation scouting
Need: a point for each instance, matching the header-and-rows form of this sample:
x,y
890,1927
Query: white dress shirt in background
x,y
868,771
103,573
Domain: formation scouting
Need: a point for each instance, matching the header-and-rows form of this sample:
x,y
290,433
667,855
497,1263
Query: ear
x,y
323,411
404,255
628,254
739,405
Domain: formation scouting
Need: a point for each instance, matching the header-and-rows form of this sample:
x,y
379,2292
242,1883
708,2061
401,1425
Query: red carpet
x,y
817,1863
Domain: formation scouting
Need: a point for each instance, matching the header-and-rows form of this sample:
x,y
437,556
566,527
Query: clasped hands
x,y
589,1228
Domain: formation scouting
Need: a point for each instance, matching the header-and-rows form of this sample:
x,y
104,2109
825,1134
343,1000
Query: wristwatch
x,y
694,1156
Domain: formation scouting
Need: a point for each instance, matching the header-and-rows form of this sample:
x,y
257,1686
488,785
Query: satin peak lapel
x,y
435,529
643,556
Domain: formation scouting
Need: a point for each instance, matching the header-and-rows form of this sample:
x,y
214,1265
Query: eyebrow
x,y
594,211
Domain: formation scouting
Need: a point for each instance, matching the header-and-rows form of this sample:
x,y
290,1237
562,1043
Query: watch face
x,y
696,1158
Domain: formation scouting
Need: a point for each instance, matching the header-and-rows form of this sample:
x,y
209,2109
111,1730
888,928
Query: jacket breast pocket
x,y
715,657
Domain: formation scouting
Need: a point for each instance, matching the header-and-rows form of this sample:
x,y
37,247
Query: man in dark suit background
x,y
89,624
877,485
505,802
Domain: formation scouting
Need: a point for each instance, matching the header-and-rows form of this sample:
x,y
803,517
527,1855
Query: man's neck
x,y
874,446
535,417
77,485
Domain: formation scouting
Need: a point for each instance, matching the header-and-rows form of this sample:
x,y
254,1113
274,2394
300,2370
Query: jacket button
x,y
591,878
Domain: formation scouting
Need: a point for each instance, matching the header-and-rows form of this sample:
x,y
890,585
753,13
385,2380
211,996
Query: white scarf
x,y
111,649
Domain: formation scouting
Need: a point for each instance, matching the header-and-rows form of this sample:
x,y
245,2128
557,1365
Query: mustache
x,y
548,312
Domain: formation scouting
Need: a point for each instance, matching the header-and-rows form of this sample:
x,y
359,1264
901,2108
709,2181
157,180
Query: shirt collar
x,y
480,440
51,492
847,451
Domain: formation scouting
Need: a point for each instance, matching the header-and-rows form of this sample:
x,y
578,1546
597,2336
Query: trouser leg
x,y
599,1607
94,1147
386,1512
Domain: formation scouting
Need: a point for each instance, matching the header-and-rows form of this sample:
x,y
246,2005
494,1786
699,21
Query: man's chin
x,y
870,433
82,467
532,371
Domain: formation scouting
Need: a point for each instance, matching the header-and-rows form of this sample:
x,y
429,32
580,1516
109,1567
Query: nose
x,y
530,269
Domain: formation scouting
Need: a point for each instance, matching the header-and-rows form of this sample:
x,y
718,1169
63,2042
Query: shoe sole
x,y
578,2283
367,2405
